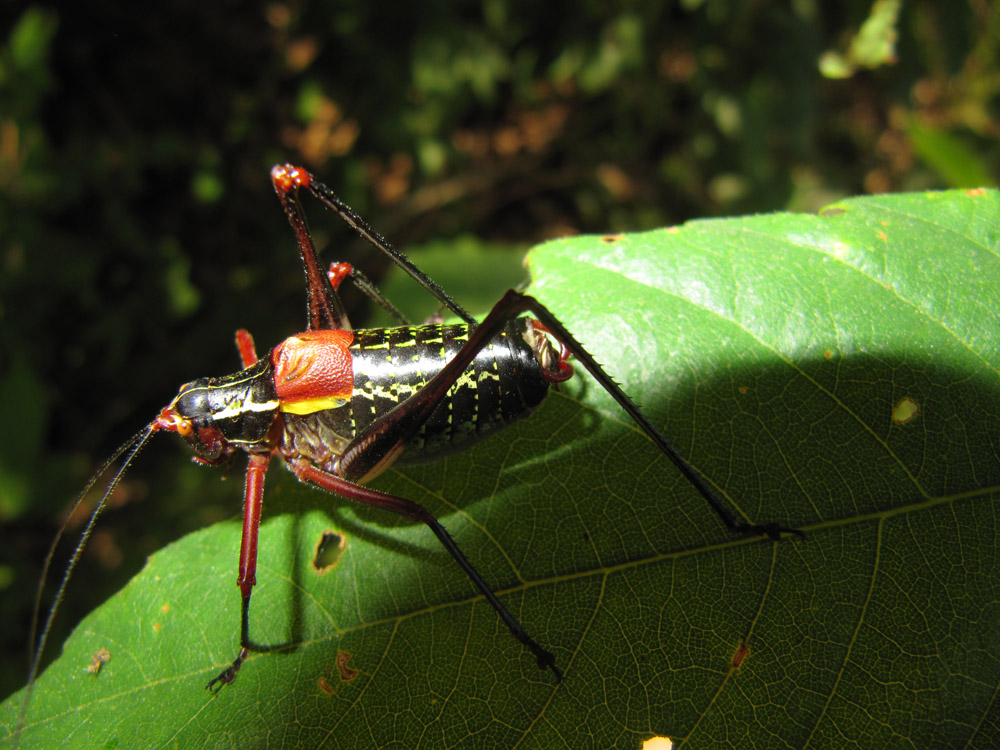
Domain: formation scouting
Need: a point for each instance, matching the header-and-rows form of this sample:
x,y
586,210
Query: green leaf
x,y
448,262
872,47
954,162
31,36
775,351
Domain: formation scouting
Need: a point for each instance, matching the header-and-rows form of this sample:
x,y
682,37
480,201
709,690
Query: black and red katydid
x,y
339,406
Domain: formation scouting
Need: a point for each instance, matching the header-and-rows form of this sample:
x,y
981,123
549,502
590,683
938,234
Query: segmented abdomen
x,y
503,384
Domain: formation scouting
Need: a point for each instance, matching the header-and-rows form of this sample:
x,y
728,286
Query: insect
x,y
338,406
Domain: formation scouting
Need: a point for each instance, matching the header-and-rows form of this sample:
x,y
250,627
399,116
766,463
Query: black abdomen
x,y
503,384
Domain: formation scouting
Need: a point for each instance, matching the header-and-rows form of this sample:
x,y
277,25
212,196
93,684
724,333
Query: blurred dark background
x,y
138,227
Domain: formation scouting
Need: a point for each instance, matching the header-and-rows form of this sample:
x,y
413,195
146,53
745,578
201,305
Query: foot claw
x,y
227,675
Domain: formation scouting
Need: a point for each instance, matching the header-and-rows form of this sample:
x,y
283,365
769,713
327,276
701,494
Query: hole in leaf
x,y
905,411
328,551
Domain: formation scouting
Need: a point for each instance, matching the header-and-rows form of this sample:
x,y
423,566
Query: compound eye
x,y
192,402
184,427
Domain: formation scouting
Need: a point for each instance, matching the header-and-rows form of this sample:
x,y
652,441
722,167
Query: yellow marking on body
x,y
438,338
237,407
312,405
465,380
402,391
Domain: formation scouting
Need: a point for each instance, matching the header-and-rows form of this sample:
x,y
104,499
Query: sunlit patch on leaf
x,y
658,743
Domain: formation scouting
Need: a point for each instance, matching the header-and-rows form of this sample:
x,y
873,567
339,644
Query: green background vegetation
x,y
138,228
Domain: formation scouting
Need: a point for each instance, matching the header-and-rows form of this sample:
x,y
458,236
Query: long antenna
x,y
132,447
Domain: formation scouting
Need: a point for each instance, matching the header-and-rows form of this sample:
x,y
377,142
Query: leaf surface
x,y
836,373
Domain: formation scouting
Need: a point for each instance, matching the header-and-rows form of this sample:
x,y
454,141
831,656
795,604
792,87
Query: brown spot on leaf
x,y
101,657
740,655
347,673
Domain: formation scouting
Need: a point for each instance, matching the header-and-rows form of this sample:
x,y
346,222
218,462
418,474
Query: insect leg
x,y
252,502
245,345
306,472
372,451
340,271
288,179
324,309
522,303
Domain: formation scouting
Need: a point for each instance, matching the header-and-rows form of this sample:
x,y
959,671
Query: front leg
x,y
252,505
